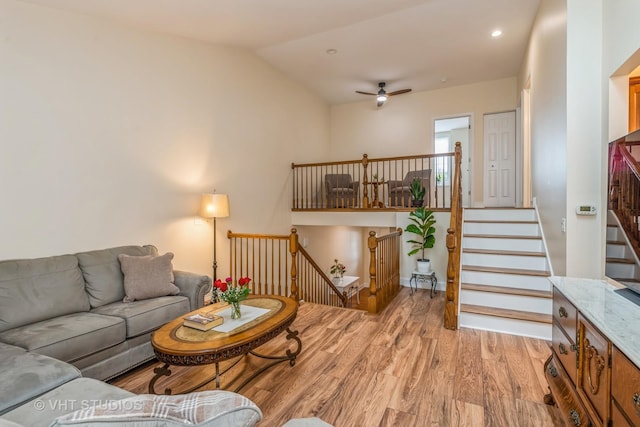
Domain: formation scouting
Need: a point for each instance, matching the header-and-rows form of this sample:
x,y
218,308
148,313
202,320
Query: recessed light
x,y
496,33
443,79
332,51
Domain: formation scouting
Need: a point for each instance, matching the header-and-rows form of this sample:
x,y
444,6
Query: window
x,y
442,145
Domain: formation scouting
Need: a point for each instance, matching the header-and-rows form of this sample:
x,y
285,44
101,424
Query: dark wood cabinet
x,y
592,382
625,390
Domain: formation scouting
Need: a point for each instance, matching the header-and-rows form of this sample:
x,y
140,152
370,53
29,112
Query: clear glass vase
x,y
235,310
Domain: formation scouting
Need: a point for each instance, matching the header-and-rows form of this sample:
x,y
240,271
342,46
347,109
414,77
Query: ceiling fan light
x,y
382,97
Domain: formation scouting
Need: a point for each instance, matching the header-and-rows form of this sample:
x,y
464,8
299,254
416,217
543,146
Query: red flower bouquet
x,y
232,294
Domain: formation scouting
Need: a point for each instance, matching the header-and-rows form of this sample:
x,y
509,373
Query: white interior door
x,y
500,159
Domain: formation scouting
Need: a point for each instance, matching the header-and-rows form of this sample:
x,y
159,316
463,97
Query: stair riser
x,y
524,245
625,271
613,233
507,326
505,261
508,280
510,302
500,214
506,228
617,251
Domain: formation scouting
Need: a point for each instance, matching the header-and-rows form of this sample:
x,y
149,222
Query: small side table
x,y
376,203
350,284
427,277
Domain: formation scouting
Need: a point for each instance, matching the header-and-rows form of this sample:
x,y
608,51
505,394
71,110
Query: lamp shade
x,y
214,206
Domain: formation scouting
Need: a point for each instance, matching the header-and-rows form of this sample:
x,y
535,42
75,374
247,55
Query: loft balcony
x,y
370,191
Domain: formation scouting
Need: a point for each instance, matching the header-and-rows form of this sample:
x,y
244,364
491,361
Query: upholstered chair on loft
x,y
342,191
399,191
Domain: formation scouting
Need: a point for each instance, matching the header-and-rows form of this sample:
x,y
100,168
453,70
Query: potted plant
x,y
417,191
337,269
422,225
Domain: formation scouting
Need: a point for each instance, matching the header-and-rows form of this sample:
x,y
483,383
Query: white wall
x,y
109,135
586,146
404,126
545,64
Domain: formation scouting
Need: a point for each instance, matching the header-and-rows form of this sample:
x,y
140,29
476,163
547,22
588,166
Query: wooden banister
x,y
454,239
278,265
624,189
376,183
384,269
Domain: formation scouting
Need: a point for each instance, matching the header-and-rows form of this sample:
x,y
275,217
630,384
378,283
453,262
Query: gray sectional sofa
x,y
71,308
64,327
63,317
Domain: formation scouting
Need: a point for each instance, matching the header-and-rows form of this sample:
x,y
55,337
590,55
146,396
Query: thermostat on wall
x,y
585,210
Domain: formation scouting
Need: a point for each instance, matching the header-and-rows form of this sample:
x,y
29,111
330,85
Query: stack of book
x,y
203,321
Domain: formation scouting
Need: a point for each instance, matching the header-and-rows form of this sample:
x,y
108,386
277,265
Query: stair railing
x,y
384,269
624,189
278,265
368,184
454,240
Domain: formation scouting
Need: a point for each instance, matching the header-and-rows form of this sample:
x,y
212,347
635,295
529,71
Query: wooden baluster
x,y
293,248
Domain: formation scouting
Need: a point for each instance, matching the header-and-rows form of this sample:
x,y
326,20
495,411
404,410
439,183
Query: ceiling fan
x,y
382,94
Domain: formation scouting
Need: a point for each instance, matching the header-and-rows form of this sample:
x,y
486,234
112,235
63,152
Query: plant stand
x,y
429,277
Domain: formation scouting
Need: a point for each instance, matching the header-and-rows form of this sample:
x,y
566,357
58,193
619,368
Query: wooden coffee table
x,y
178,345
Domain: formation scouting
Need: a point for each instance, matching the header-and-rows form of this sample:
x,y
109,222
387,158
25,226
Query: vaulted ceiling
x,y
418,44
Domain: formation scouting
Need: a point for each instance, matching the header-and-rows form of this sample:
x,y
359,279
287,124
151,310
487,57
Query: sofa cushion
x,y
27,375
147,276
102,274
72,396
68,337
37,289
207,408
146,315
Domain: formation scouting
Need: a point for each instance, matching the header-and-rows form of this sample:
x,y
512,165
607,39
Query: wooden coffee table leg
x,y
159,372
289,355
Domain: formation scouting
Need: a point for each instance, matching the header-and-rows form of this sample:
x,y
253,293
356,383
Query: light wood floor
x,y
399,368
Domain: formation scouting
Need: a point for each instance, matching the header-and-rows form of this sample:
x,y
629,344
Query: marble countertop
x,y
614,315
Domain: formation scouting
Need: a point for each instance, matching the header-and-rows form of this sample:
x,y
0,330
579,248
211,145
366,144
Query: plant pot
x,y
424,265
417,203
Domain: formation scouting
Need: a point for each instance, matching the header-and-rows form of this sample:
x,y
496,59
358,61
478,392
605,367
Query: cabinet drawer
x,y
617,419
566,351
625,385
594,374
565,314
573,413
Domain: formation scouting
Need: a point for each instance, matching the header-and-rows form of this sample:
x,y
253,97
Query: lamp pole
x,y
215,257
214,206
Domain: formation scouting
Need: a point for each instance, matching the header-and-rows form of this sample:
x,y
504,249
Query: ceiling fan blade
x,y
366,93
398,92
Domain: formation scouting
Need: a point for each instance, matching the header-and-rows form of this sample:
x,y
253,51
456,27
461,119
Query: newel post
x,y
454,234
293,248
373,286
365,180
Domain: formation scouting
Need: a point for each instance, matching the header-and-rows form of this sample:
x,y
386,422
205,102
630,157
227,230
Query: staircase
x,y
504,285
622,265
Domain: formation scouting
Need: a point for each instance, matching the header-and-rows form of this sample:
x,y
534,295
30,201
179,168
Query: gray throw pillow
x,y
147,276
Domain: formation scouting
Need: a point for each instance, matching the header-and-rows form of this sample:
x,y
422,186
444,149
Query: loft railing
x,y
624,189
278,265
384,269
381,183
454,240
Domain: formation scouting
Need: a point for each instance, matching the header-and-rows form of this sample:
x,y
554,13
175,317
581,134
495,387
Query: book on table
x,y
203,322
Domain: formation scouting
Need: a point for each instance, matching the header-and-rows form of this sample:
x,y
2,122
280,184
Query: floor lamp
x,y
214,206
